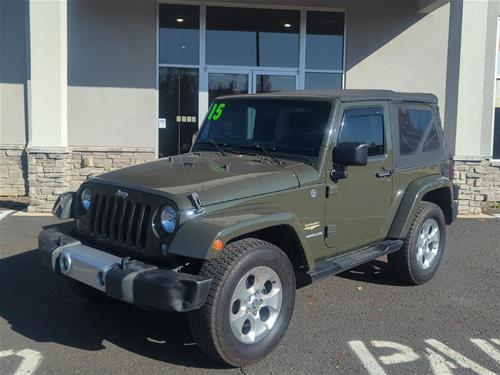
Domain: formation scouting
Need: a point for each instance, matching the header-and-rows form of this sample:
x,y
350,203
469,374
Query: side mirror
x,y
345,154
351,154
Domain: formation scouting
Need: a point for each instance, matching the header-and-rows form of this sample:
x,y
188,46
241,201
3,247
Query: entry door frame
x,y
275,72
252,73
230,70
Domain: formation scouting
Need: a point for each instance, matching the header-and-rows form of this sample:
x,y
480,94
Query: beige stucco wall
x,y
112,97
13,73
410,51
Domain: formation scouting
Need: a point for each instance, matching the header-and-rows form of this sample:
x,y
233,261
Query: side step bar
x,y
350,260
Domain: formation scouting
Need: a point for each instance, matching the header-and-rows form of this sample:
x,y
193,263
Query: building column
x,y
48,154
469,104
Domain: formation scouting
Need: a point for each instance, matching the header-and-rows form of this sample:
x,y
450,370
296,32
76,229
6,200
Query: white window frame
x,y
204,68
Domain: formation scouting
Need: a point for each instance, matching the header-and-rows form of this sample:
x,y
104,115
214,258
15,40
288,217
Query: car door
x,y
357,206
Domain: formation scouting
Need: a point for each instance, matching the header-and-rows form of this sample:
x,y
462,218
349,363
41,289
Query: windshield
x,y
280,126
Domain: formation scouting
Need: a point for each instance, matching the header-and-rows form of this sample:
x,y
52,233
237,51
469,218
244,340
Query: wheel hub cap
x,y
428,243
255,305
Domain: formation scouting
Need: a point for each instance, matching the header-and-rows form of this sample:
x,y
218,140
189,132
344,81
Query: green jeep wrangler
x,y
278,191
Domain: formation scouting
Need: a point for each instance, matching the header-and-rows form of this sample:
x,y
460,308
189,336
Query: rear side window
x,y
432,141
364,125
414,126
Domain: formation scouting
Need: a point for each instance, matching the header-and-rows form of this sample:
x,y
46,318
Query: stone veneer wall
x,y
48,177
479,182
43,174
13,169
85,162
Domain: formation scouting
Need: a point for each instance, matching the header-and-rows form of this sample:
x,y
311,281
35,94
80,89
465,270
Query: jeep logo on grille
x,y
121,194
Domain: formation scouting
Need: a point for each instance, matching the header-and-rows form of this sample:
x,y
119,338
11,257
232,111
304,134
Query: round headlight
x,y
168,219
86,198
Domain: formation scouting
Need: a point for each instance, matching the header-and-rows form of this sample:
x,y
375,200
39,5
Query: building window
x,y
496,124
324,50
323,81
179,34
253,37
205,51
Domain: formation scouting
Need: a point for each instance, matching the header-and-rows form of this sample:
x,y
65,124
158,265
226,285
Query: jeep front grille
x,y
119,220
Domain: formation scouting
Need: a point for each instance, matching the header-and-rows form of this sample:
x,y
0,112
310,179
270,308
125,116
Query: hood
x,y
213,177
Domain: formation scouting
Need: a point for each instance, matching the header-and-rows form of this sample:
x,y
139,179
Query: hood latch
x,y
196,201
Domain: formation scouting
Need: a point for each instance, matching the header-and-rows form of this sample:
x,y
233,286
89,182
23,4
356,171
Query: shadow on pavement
x,y
374,272
17,204
40,306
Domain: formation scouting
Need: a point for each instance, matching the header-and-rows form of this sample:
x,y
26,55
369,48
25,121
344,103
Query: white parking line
x,y
4,214
403,353
6,353
367,359
489,349
29,364
459,358
31,361
439,365
441,358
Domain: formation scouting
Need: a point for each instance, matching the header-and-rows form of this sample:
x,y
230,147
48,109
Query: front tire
x,y
249,305
419,258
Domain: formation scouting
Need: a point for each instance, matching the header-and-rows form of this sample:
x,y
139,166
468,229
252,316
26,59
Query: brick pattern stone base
x,y
48,177
44,174
85,163
13,171
479,183
52,173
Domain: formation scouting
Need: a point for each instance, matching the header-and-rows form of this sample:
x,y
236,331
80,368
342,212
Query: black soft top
x,y
346,95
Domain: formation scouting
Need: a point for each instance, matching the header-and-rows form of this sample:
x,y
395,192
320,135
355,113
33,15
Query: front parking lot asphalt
x,y
361,322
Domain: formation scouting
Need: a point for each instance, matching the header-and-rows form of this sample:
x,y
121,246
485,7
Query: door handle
x,y
384,173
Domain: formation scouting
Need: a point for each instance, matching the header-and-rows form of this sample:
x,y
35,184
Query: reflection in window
x,y
323,81
252,37
283,126
325,40
432,141
226,84
413,124
179,34
178,96
364,125
275,83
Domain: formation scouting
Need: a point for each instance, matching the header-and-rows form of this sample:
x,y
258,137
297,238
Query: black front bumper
x,y
127,280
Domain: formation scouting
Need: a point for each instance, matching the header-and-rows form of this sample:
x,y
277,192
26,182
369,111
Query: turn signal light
x,y
218,245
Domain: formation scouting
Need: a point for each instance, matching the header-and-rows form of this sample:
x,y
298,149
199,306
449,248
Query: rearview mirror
x,y
351,154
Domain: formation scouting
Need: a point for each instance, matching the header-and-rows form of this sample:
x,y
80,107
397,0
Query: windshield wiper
x,y
216,145
268,153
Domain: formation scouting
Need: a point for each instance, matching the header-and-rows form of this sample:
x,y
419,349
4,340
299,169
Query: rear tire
x,y
249,305
419,258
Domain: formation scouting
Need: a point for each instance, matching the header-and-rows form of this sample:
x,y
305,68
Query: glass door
x,y
237,80
273,81
224,82
178,109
